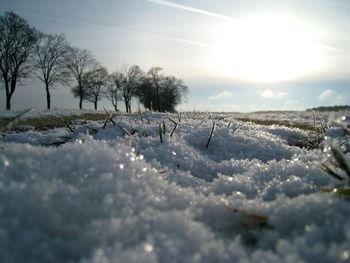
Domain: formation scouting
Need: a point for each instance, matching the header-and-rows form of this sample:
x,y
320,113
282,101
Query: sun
x,y
268,48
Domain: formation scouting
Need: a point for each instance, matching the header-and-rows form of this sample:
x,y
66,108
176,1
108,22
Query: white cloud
x,y
269,94
326,94
340,99
221,95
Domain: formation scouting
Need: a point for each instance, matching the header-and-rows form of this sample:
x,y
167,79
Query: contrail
x,y
327,47
191,9
131,30
216,15
150,34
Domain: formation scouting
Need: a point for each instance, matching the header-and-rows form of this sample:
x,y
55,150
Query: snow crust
x,y
103,196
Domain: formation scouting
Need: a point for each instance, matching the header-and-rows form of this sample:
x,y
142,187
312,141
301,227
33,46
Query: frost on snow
x,y
251,196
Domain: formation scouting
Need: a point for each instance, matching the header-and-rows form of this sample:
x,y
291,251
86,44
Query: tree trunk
x,y
115,104
95,104
48,97
8,102
8,97
10,92
6,84
81,103
80,95
126,106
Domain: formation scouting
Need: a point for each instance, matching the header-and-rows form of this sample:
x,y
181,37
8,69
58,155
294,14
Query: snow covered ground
x,y
120,195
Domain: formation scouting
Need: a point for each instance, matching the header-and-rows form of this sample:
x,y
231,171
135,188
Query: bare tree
x,y
127,82
17,44
114,89
154,77
95,84
51,51
79,61
80,91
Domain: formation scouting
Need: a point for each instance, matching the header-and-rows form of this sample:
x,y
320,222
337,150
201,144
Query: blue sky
x,y
233,55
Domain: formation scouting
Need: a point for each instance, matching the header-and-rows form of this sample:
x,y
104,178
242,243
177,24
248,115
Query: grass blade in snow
x,y
160,133
330,172
340,158
125,131
211,134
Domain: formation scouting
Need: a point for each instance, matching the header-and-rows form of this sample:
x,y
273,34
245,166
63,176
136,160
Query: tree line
x,y
330,108
25,52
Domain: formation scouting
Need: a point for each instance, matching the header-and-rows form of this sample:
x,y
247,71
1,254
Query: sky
x,y
244,55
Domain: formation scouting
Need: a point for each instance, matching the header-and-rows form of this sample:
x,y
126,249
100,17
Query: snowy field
x,y
147,189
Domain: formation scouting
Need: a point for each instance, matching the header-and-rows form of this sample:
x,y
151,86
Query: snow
x,y
252,196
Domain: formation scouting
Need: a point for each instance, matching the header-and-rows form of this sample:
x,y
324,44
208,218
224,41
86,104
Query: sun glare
x,y
267,48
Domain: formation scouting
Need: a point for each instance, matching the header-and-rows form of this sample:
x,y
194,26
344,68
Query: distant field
x,y
51,122
49,119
